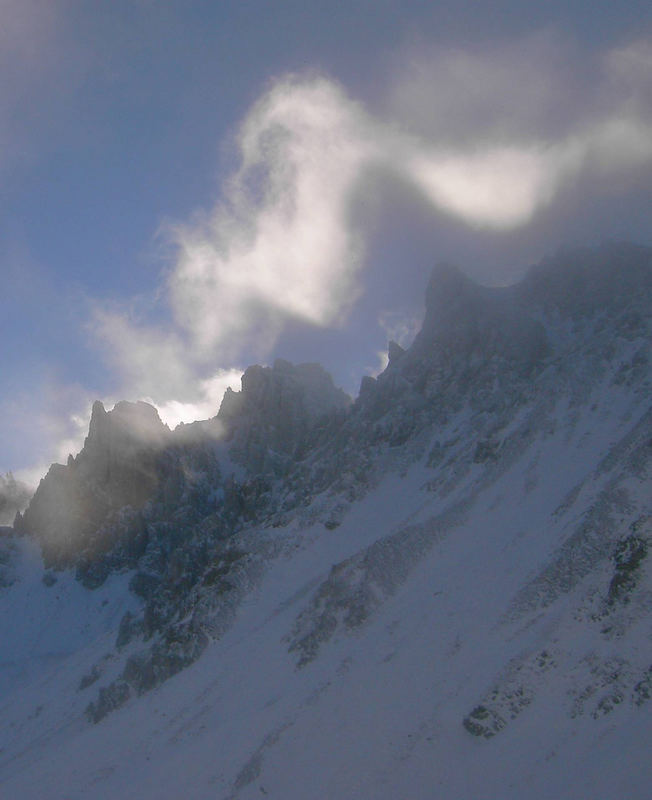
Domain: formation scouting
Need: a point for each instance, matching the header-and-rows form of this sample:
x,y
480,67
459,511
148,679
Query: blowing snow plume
x,y
283,242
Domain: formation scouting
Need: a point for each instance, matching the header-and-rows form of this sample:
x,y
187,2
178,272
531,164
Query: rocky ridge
x,y
199,512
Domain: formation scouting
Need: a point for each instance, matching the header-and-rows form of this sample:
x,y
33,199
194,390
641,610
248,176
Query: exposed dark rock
x,y
272,421
628,557
130,627
119,466
483,721
90,678
394,352
180,648
642,691
110,697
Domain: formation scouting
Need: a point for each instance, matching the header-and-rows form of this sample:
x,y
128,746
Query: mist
x,y
14,497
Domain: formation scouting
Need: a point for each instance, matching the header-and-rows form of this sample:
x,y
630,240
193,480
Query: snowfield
x,y
471,618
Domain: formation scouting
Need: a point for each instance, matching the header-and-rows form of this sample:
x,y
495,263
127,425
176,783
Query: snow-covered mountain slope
x,y
442,591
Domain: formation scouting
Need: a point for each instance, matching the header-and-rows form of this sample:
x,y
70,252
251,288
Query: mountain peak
x,y
448,281
299,391
465,320
117,467
137,422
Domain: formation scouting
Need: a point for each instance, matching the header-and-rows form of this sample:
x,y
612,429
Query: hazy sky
x,y
191,187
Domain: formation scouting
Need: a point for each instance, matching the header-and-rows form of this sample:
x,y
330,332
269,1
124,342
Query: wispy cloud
x,y
207,397
50,419
399,327
502,132
281,243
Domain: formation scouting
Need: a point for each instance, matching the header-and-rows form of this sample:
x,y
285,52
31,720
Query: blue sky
x,y
190,187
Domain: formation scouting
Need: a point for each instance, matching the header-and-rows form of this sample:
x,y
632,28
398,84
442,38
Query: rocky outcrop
x,y
584,284
119,466
271,422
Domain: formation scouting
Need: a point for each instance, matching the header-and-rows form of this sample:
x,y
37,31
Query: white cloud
x,y
280,244
504,131
152,361
495,188
492,93
60,423
380,366
209,397
399,327
52,421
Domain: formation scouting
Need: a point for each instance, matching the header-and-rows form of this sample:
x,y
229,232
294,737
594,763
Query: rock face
x,y
132,464
492,374
121,453
119,467
270,422
478,346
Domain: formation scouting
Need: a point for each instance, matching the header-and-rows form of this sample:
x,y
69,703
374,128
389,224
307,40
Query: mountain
x,y
441,588
14,496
